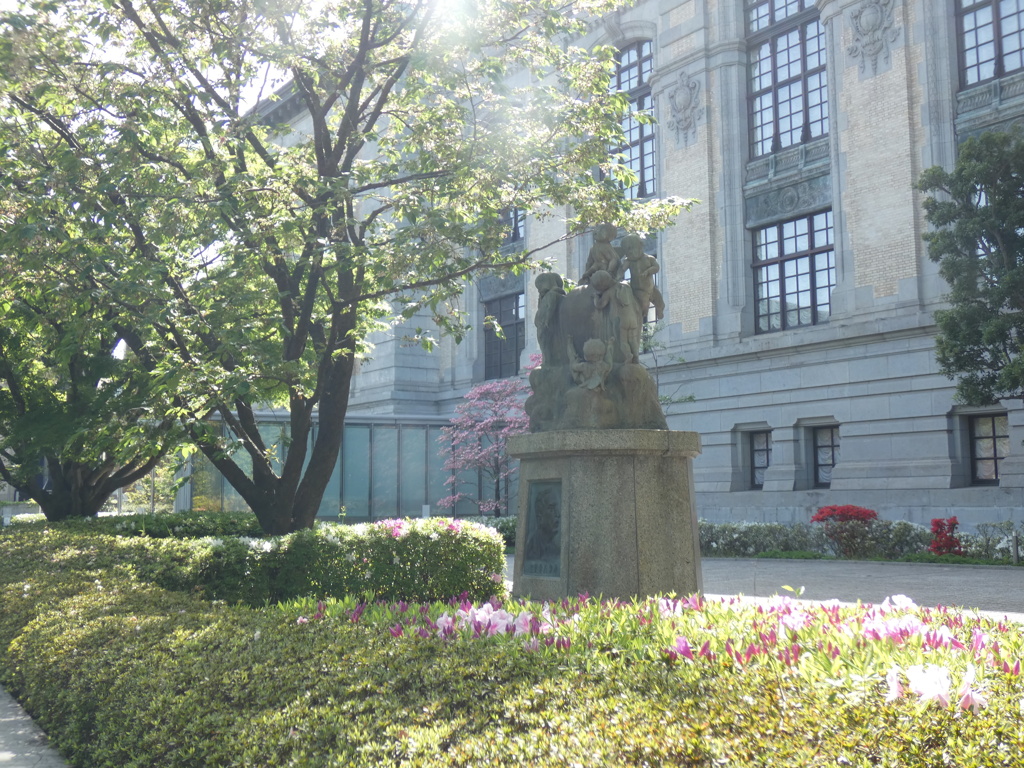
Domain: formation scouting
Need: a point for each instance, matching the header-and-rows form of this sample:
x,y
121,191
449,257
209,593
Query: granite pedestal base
x,y
606,512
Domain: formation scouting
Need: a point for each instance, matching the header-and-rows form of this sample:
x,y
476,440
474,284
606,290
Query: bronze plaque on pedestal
x,y
543,556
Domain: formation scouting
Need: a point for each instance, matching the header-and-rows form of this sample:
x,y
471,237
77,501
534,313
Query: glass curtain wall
x,y
386,471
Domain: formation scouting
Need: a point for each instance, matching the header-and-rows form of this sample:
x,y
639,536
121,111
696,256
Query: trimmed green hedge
x,y
160,525
122,672
431,559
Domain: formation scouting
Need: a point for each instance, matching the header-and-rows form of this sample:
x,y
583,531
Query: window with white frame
x,y
760,447
826,454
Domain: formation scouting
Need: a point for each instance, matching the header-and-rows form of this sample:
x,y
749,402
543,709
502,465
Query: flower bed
x,y
122,672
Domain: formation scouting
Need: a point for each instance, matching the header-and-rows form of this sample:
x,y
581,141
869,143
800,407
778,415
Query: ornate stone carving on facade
x,y
874,31
684,104
493,286
613,26
805,197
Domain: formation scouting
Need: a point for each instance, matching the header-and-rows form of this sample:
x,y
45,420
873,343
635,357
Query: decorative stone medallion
x,y
684,103
874,32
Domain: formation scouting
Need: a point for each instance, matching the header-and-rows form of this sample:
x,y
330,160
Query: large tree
x,y
978,241
257,255
77,411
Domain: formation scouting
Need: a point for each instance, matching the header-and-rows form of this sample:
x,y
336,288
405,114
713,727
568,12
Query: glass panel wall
x,y
412,468
384,471
355,458
387,470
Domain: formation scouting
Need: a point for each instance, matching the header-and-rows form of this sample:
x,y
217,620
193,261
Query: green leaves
x,y
244,248
979,246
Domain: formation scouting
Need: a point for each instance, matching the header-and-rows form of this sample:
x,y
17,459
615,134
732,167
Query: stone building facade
x,y
799,290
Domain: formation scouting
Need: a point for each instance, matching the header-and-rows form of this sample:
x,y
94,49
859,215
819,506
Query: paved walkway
x,y
998,591
22,744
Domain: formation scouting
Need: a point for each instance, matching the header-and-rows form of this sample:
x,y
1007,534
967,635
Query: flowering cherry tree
x,y
475,443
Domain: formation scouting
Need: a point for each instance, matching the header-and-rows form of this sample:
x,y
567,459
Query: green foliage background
x,y
977,210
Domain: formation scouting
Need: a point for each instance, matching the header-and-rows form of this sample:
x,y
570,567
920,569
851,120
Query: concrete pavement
x,y
22,743
997,591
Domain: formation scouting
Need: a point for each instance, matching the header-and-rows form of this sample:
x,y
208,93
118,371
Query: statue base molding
x,y
609,513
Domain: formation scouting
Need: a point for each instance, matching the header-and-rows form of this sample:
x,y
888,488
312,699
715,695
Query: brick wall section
x,y
873,119
688,251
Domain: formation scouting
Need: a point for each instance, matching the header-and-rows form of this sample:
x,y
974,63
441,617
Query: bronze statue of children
x,y
603,255
593,370
642,268
617,305
550,292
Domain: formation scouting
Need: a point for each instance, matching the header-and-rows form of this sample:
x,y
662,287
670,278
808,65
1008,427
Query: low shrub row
x,y
121,672
854,538
161,525
429,559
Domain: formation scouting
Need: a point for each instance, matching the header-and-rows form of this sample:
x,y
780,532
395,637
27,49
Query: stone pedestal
x,y
606,512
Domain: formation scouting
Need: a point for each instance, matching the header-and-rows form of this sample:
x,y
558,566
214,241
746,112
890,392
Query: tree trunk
x,y
290,502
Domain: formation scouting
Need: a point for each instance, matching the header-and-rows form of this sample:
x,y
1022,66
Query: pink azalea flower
x,y
930,682
899,602
302,620
445,624
522,623
942,637
501,622
397,630
682,647
796,620
971,698
979,640
1014,670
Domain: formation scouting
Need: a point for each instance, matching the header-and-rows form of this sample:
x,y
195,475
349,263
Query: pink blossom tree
x,y
475,442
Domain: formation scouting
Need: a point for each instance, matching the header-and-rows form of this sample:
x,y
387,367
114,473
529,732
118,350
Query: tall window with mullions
x,y
794,272
788,81
634,66
991,39
502,352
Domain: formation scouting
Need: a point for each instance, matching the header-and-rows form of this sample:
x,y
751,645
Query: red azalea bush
x,y
944,542
844,513
847,528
